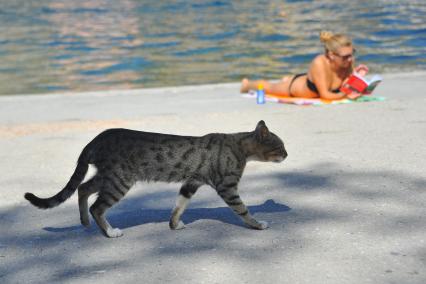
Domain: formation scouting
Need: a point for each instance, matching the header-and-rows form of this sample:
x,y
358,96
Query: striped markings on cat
x,y
118,158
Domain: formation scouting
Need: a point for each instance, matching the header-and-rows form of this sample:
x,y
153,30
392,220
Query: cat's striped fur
x,y
122,157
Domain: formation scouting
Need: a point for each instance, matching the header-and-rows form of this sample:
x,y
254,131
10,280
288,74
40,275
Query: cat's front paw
x,y
114,233
176,226
260,225
180,226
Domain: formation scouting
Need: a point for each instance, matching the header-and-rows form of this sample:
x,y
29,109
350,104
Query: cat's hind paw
x,y
259,225
263,225
85,223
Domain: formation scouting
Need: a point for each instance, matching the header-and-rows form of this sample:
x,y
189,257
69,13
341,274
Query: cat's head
x,y
268,147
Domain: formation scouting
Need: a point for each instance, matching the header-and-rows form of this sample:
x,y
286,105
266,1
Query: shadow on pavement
x,y
390,204
127,219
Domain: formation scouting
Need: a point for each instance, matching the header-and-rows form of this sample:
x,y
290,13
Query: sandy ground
x,y
347,206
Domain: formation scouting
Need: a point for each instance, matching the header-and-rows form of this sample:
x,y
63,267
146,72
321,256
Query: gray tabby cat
x,y
122,157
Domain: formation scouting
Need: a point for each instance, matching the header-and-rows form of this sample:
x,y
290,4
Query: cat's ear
x,y
261,131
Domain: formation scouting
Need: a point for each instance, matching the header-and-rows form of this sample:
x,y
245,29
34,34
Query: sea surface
x,y
63,46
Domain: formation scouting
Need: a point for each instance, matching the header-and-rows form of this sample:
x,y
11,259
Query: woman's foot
x,y
244,85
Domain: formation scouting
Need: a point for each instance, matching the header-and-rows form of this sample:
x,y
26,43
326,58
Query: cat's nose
x,y
285,154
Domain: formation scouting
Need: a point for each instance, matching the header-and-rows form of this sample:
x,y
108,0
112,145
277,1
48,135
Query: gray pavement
x,y
347,206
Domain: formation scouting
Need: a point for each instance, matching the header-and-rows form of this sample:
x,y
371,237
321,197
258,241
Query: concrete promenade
x,y
347,206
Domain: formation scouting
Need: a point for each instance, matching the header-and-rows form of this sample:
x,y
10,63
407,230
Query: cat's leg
x,y
231,197
113,189
84,191
185,194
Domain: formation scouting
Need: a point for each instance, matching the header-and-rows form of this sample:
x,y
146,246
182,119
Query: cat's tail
x,y
66,192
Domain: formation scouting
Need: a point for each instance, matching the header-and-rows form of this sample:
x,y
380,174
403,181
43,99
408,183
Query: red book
x,y
359,84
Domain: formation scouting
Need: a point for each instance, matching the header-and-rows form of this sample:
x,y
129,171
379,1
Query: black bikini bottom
x,y
311,85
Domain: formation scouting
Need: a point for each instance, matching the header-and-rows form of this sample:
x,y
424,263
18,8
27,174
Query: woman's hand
x,y
354,95
361,69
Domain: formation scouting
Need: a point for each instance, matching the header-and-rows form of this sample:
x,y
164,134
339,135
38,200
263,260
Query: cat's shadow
x,y
127,219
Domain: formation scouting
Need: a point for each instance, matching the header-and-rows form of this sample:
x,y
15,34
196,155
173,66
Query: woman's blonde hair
x,y
332,42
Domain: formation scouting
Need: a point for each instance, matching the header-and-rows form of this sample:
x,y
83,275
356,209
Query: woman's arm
x,y
318,71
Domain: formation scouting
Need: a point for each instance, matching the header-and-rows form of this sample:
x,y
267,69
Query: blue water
x,y
55,46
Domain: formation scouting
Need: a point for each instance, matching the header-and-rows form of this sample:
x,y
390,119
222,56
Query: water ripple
x,y
52,46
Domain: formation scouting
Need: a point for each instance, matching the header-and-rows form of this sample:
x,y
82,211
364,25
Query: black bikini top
x,y
313,88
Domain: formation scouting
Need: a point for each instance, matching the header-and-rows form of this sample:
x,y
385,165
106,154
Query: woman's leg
x,y
277,88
